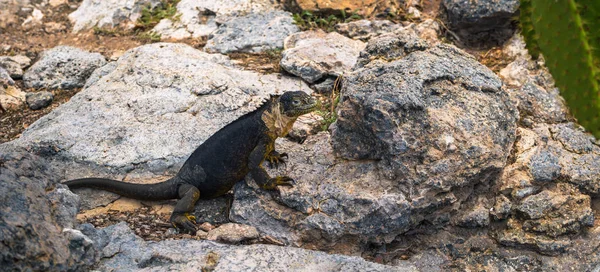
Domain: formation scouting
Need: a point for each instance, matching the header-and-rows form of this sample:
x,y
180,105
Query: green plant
x,y
307,20
151,16
567,33
148,36
328,110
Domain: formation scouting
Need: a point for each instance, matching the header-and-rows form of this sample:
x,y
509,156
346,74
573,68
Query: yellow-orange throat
x,y
278,123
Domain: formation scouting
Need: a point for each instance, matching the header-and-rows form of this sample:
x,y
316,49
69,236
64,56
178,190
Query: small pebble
x,y
206,226
39,100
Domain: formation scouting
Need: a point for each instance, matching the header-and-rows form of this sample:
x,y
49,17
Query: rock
x,y
363,7
39,100
34,19
515,47
483,22
54,27
313,55
30,223
202,234
556,212
305,125
544,166
554,153
366,29
10,96
326,86
5,79
200,18
413,13
66,204
516,73
56,3
410,136
206,227
392,46
233,233
409,110
15,65
9,13
81,248
502,208
515,237
148,111
552,177
322,198
479,216
213,211
122,250
92,198
541,105
108,13
62,67
252,33
429,30
168,29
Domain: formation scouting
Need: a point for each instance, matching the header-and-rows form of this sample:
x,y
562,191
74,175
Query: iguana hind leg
x,y
181,217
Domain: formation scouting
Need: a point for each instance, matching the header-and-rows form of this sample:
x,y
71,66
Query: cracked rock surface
x,y
121,250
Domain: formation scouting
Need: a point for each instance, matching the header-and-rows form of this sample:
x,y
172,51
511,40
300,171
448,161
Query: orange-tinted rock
x,y
362,7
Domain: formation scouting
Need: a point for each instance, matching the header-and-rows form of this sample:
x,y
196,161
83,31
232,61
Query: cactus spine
x,y
567,32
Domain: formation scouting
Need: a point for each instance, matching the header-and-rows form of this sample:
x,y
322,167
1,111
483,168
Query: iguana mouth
x,y
306,108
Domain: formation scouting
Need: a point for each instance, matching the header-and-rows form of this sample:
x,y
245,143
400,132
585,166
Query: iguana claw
x,y
185,221
279,181
275,159
285,181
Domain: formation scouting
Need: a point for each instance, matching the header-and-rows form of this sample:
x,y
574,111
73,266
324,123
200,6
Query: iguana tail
x,y
157,191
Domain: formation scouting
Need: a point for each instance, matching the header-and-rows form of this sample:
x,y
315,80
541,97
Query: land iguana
x,y
222,160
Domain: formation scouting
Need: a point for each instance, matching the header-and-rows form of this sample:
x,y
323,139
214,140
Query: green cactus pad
x,y
567,32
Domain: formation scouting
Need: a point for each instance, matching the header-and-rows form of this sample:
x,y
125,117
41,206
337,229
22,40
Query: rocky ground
x,y
440,144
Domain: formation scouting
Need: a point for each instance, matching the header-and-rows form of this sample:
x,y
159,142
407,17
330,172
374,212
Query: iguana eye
x,y
296,102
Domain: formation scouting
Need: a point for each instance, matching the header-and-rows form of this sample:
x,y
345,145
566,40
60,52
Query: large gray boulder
x,y
437,116
150,109
62,67
417,125
108,13
252,33
121,250
34,218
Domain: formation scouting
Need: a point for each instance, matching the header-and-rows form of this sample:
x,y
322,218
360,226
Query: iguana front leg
x,y
275,158
262,178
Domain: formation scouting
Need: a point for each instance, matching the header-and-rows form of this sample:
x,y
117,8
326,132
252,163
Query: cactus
x,y
567,33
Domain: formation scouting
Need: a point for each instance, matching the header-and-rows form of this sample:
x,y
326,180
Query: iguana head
x,y
294,104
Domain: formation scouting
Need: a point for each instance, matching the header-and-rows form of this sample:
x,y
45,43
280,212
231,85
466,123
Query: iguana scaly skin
x,y
222,160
